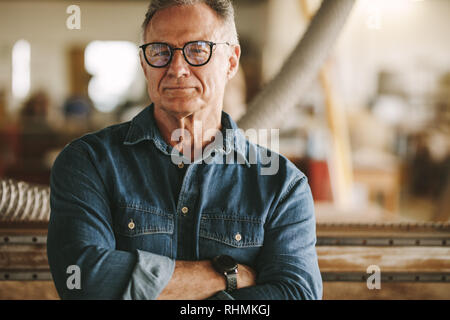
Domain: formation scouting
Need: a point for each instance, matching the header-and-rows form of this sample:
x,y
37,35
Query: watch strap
x,y
231,281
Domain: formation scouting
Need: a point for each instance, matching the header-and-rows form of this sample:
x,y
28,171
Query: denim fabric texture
x,y
123,211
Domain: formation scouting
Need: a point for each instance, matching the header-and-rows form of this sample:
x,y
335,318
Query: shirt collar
x,y
143,127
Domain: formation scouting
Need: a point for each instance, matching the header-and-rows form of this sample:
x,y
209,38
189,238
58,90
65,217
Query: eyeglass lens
x,y
195,53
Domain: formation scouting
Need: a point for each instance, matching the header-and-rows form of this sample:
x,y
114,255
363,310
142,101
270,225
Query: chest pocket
x,y
143,227
238,236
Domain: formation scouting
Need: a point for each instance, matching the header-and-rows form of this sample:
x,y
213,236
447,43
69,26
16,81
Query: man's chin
x,y
182,105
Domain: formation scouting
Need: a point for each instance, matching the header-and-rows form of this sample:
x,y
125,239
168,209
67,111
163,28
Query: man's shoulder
x,y
105,138
276,165
280,180
94,149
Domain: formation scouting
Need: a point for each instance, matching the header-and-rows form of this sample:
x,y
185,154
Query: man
x,y
144,215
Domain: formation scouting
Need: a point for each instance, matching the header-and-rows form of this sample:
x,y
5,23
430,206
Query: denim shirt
x,y
123,211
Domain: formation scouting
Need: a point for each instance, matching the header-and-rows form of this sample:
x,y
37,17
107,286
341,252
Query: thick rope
x,y
285,91
23,202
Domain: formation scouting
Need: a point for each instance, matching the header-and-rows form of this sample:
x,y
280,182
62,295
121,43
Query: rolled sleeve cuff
x,y
150,276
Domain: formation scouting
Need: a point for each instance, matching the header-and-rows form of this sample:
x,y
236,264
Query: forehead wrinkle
x,y
184,36
179,38
170,32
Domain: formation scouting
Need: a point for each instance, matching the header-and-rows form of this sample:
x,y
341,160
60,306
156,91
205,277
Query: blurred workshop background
x,y
384,94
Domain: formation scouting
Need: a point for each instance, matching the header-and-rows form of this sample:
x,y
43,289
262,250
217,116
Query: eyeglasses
x,y
196,53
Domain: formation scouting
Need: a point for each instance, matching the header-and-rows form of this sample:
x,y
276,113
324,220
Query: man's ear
x,y
234,61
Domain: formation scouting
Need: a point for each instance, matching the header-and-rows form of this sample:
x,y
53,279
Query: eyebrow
x,y
175,46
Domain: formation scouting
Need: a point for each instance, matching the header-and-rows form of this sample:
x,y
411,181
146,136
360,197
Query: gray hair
x,y
223,8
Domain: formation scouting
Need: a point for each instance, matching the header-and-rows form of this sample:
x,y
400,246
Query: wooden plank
x,y
28,290
388,291
389,259
21,229
425,230
45,290
24,257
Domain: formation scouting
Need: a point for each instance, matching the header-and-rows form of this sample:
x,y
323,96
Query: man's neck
x,y
194,131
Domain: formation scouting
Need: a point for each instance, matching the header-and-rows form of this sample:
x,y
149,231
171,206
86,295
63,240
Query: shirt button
x,y
131,225
184,210
238,237
181,165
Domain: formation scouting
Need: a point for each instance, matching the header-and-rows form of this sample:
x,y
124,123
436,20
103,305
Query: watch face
x,y
227,263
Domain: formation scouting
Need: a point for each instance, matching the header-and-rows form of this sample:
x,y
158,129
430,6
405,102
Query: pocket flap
x,y
135,220
235,231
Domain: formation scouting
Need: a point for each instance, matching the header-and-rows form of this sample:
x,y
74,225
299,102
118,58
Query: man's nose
x,y
178,67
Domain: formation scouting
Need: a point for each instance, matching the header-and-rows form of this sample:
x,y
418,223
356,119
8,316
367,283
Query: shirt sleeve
x,y
287,267
80,233
150,276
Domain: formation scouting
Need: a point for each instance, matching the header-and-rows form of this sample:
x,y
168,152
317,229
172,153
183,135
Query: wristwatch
x,y
227,266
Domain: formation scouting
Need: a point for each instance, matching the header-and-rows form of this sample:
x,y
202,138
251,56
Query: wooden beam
x,y
340,163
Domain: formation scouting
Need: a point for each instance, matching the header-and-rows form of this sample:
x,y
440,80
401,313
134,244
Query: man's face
x,y
181,88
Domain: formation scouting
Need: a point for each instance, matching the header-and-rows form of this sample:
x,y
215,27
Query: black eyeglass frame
x,y
172,50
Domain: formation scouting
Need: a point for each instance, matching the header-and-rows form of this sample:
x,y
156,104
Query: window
x,y
21,53
114,66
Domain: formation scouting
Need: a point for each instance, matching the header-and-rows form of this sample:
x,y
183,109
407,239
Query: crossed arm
x,y
80,233
197,280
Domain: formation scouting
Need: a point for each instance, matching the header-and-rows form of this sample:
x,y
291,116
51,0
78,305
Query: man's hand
x,y
197,280
246,276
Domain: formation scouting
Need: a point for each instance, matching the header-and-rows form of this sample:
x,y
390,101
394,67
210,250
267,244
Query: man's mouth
x,y
178,88
179,91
